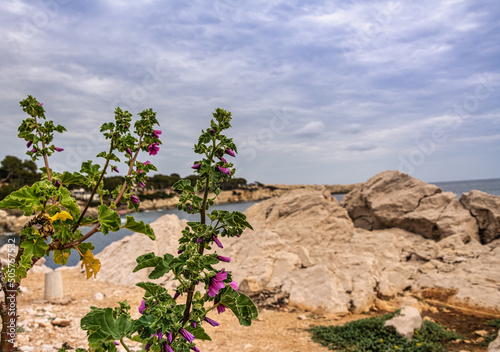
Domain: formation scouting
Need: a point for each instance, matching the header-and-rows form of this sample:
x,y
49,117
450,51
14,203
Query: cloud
x,y
311,129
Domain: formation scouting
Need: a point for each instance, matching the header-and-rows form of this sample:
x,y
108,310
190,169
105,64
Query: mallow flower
x,y
224,259
153,148
134,199
57,149
156,133
211,321
129,152
217,283
115,169
29,144
224,170
216,240
186,335
196,166
221,308
142,307
229,151
234,285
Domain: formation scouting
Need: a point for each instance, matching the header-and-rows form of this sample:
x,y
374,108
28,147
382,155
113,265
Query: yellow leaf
x,y
63,215
92,265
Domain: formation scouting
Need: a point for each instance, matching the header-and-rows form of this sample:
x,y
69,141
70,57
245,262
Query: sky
x,y
321,92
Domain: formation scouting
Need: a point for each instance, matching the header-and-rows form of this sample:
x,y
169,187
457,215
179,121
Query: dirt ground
x,y
283,329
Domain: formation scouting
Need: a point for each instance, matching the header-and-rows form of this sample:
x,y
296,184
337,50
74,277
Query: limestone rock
x,y
406,322
394,199
486,209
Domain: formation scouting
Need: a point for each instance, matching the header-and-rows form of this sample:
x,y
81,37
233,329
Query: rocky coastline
x,y
13,222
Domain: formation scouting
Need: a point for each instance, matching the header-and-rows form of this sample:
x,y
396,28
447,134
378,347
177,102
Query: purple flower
x,y
179,251
176,295
156,133
224,170
29,144
153,148
221,308
234,285
148,345
187,335
160,335
147,162
115,169
229,151
169,337
134,199
58,183
212,130
117,343
168,348
195,349
199,240
223,159
216,240
217,283
196,166
58,149
142,307
129,152
224,259
142,184
40,104
193,324
33,150
211,321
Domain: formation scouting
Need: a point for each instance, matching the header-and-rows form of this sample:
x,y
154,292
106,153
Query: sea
x,y
491,186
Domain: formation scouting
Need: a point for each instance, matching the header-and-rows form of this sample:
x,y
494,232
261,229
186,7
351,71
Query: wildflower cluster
x,y
56,217
173,321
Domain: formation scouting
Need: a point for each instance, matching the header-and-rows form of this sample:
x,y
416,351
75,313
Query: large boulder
x,y
486,209
304,247
394,199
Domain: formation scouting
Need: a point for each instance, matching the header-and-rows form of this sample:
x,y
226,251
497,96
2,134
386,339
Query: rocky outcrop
x,y
394,199
486,209
305,246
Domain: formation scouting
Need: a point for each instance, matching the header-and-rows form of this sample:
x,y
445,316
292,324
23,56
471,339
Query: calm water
x,y
100,241
491,186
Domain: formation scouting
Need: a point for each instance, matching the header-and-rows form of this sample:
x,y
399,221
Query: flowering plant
x,y
56,218
167,323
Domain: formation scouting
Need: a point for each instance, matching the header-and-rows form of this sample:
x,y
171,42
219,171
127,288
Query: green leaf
x,y
61,257
67,201
152,288
35,247
241,219
200,334
242,306
146,261
24,199
140,227
108,219
90,169
72,178
162,268
101,155
103,327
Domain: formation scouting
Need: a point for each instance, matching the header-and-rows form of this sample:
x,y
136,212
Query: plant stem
x,y
124,345
45,159
94,190
201,247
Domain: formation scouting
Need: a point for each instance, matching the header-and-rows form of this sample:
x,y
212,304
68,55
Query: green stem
x,y
94,190
124,345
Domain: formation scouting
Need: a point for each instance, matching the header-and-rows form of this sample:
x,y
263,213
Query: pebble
x,y
98,296
302,317
61,322
247,346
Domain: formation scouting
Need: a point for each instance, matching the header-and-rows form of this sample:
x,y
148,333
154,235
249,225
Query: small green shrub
x,y
370,335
